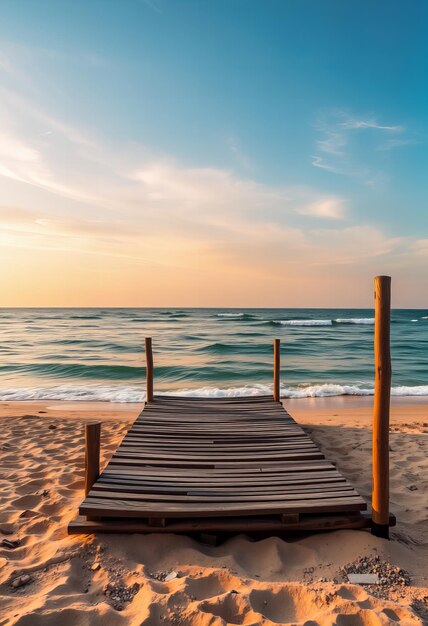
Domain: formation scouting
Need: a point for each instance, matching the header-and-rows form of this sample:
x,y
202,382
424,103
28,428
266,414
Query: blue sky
x,y
261,145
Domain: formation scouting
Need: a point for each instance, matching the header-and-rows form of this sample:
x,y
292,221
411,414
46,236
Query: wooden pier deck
x,y
235,464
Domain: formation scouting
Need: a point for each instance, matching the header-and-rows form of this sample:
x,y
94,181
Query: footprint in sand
x,y
362,618
209,586
351,592
292,604
233,608
27,502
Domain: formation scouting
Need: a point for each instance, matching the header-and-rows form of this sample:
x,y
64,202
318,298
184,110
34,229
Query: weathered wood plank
x,y
128,508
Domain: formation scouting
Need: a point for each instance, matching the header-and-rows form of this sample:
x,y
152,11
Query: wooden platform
x,y
218,464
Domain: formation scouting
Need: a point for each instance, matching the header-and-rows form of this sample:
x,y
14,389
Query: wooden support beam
x,y
92,454
156,522
290,518
149,369
305,524
276,368
382,393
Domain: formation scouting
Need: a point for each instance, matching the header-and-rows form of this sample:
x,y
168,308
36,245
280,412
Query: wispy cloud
x,y
333,142
346,144
362,124
318,161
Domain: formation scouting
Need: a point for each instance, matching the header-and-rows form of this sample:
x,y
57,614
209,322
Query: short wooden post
x,y
149,370
382,394
92,454
276,368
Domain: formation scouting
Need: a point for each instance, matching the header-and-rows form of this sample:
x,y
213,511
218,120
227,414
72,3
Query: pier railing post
x,y
149,369
92,454
381,405
276,368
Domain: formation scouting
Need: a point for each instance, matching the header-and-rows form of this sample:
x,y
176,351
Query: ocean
x,y
98,354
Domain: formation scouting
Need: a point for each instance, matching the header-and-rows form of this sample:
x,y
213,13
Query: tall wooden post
x,y
92,454
276,368
149,370
382,393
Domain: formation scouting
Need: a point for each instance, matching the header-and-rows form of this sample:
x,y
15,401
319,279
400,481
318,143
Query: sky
x,y
233,153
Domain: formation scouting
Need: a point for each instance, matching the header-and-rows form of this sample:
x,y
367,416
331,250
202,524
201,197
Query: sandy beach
x,y
113,580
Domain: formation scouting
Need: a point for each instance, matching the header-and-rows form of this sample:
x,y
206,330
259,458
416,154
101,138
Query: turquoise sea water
x,y
98,354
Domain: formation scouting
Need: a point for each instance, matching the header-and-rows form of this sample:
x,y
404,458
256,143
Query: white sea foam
x,y
415,320
332,389
103,393
354,320
74,392
223,392
230,314
305,322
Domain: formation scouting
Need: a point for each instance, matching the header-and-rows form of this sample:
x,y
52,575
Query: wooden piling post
x,y
382,394
92,454
276,368
149,370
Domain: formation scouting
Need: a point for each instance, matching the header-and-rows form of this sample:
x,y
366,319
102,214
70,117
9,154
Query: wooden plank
x,y
262,478
159,456
191,496
220,493
285,465
128,508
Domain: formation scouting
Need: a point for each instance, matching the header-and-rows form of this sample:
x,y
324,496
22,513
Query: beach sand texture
x,y
175,580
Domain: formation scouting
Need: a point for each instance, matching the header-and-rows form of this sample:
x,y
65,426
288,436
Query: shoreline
x,y
402,408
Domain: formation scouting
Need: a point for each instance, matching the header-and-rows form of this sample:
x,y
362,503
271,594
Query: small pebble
x,y
21,581
11,543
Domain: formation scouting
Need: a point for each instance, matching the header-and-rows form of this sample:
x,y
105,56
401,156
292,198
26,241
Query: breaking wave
x,y
304,322
134,394
340,320
355,320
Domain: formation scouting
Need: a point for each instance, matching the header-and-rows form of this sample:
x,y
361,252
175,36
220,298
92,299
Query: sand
x,y
119,580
